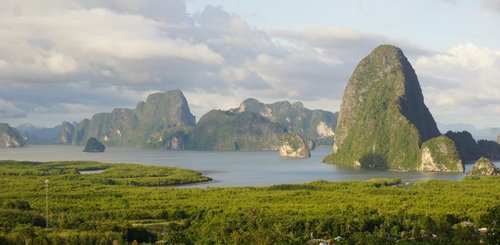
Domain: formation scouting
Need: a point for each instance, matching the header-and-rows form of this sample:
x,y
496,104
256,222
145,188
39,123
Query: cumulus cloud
x,y
462,81
70,59
9,110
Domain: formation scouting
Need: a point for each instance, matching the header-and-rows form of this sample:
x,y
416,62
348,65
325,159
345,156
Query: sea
x,y
233,168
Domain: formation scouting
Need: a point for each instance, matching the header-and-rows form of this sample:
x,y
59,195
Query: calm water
x,y
225,168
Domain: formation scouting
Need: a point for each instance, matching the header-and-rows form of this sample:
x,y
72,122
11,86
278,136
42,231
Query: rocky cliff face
x,y
66,133
293,146
383,120
229,131
10,137
484,166
317,125
170,108
176,141
152,124
466,145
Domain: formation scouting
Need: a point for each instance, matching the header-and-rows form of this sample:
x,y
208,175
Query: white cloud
x,y
463,56
10,110
462,83
70,58
76,50
60,63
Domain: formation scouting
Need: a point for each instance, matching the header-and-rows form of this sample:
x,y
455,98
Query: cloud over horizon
x,y
66,60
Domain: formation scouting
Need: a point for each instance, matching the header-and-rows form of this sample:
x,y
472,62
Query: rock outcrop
x,y
66,134
233,131
10,137
176,141
94,145
440,154
151,124
484,166
466,145
383,120
317,125
293,146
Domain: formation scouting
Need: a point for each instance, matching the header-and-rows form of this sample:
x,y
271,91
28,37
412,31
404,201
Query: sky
x,y
65,60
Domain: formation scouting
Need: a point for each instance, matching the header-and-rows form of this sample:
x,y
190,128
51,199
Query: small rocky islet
x,y
294,146
484,166
94,145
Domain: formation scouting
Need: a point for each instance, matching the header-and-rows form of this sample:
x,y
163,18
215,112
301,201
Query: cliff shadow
x,y
373,161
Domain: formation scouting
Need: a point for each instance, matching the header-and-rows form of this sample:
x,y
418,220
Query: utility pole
x,y
47,203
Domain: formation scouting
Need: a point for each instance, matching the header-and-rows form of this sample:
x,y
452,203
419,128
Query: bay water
x,y
225,168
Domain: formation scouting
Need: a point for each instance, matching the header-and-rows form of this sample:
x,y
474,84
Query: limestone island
x,y
94,145
384,123
293,146
484,166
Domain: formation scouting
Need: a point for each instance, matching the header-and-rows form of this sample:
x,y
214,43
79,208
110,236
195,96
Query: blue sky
x,y
434,24
65,60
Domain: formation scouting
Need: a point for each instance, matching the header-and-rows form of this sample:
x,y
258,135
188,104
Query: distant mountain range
x,y
164,121
39,135
481,133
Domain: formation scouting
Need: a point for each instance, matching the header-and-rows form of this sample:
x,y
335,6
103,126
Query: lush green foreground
x,y
117,204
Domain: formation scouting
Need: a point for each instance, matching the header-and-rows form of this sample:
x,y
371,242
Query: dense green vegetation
x,y
87,209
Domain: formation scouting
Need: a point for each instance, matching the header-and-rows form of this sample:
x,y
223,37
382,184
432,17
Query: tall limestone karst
x,y
317,125
154,123
10,137
66,133
466,145
232,131
383,121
